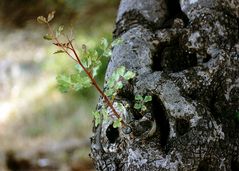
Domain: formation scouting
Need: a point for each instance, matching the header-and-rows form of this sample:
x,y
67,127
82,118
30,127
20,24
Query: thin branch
x,y
106,99
77,59
59,44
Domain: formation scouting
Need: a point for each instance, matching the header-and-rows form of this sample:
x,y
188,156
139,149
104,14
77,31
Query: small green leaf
x,y
50,16
107,53
87,62
143,108
79,81
115,76
100,51
64,83
120,107
59,51
78,68
117,123
59,30
111,82
109,92
138,98
104,113
137,106
120,71
48,37
129,75
86,82
95,71
105,43
96,115
117,42
119,85
41,20
77,87
147,99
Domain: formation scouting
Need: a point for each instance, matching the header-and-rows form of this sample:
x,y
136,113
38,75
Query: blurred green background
x,y
38,124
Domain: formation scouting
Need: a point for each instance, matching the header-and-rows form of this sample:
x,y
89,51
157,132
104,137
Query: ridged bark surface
x,y
188,61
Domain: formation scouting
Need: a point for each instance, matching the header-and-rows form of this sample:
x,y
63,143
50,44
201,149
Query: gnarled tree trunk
x,y
186,57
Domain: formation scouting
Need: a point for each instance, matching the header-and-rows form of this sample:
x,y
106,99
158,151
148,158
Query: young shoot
x,y
140,102
88,62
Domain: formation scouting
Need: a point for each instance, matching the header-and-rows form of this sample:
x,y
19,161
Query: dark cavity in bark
x,y
172,58
162,122
112,133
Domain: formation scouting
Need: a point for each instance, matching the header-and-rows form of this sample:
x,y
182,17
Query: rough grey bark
x,y
189,62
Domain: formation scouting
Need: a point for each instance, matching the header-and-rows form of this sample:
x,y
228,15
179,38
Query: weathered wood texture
x,y
188,61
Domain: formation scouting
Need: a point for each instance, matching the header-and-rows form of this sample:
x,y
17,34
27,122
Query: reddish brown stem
x,y
105,98
59,44
93,81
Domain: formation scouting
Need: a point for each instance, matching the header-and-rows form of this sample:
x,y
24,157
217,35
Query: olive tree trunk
x,y
186,56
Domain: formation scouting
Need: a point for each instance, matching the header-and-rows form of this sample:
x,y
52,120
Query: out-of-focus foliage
x,y
20,12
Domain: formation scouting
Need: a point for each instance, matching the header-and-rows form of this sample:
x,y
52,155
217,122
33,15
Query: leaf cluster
x,y
88,63
76,81
115,82
105,114
140,102
44,20
120,109
91,60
